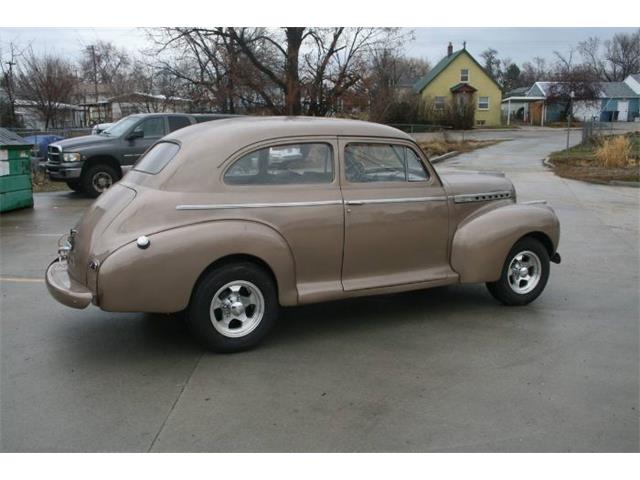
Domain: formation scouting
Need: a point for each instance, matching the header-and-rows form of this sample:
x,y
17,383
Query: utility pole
x,y
12,101
95,78
569,115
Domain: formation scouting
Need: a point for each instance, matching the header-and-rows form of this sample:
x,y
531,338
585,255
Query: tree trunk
x,y
292,92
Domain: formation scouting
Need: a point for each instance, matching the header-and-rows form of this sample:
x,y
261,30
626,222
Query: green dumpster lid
x,y
7,137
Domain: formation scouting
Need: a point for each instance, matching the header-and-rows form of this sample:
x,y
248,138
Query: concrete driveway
x,y
441,370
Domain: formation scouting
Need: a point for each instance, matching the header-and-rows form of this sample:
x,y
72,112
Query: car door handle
x,y
355,202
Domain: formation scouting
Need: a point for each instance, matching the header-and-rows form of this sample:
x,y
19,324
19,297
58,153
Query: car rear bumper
x,y
64,289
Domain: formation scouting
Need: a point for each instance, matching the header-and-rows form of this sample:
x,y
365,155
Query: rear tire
x,y
233,307
98,178
524,274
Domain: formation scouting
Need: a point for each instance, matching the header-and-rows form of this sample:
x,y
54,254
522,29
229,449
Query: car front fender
x,y
161,277
481,243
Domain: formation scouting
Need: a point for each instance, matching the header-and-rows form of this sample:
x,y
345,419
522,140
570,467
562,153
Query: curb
x,y
444,157
614,183
622,183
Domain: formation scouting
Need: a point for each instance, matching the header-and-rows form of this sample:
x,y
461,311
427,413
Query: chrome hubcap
x,y
524,272
237,309
101,181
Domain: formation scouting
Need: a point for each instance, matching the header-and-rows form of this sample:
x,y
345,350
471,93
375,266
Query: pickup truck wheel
x,y
97,179
74,185
233,307
524,273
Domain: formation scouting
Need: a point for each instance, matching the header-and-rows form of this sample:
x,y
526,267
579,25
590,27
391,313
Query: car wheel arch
x,y
258,243
102,160
480,245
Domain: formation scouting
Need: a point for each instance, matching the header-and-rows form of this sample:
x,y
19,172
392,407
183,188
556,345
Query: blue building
x,y
617,102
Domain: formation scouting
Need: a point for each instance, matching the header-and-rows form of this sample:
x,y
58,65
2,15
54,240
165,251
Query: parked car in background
x,y
212,221
93,163
99,128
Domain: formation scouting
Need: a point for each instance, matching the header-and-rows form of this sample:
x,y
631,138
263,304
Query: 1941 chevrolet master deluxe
x,y
231,219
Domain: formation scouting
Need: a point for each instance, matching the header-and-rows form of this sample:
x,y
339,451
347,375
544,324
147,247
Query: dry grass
x,y
614,152
609,158
40,183
435,148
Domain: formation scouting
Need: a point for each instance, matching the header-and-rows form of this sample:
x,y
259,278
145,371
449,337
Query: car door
x,y
396,216
141,137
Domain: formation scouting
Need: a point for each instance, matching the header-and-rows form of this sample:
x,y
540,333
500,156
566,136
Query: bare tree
x,y
105,64
389,86
291,70
48,81
612,60
572,81
623,54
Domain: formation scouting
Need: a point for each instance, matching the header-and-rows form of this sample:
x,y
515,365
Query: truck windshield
x,y
119,128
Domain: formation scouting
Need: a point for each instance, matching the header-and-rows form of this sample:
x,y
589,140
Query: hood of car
x,y
468,182
78,143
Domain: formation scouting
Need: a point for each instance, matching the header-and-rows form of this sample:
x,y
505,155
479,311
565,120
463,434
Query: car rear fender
x,y
482,242
161,277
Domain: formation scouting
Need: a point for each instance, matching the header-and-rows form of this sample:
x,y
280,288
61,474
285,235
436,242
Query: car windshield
x,y
119,128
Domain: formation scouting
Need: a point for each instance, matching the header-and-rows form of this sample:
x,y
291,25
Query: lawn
x,y
580,163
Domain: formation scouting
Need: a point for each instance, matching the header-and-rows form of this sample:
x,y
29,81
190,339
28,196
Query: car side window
x,y
377,162
415,168
152,127
300,163
176,123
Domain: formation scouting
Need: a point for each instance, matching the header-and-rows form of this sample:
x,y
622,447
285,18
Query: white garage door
x,y
623,110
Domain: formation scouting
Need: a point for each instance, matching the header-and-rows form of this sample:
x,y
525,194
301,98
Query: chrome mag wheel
x,y
237,309
525,270
101,181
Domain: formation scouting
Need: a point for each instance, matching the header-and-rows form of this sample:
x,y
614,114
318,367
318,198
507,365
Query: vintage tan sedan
x,y
230,220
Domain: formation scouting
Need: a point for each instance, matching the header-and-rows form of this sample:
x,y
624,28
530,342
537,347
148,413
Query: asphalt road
x,y
441,370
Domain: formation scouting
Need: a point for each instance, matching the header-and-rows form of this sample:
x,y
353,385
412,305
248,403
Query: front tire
x,y
74,185
233,307
524,274
98,178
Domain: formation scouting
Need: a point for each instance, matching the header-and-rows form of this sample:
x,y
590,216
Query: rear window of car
x,y
157,157
300,163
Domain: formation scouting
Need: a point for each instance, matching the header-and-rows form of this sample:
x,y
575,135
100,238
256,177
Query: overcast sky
x,y
519,44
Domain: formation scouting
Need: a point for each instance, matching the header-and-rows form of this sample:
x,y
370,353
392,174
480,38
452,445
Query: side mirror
x,y
137,133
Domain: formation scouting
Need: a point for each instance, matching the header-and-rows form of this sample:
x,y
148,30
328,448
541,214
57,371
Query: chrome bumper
x,y
64,289
59,171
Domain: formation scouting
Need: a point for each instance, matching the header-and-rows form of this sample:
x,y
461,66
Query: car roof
x,y
243,131
209,145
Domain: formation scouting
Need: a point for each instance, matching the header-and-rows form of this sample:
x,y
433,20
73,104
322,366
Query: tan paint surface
x,y
408,236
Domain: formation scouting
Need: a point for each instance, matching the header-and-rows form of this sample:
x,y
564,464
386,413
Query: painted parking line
x,y
21,280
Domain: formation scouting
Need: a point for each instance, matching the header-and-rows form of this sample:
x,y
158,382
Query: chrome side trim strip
x,y
376,201
225,206
534,202
482,197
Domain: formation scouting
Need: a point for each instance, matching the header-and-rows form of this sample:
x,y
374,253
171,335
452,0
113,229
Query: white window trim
x,y
468,75
436,103
488,103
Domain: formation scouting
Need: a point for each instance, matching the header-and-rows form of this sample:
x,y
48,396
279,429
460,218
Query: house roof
x,y
617,90
636,77
518,92
7,137
442,65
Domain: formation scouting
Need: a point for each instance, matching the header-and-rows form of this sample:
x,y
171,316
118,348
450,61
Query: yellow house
x,y
458,79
